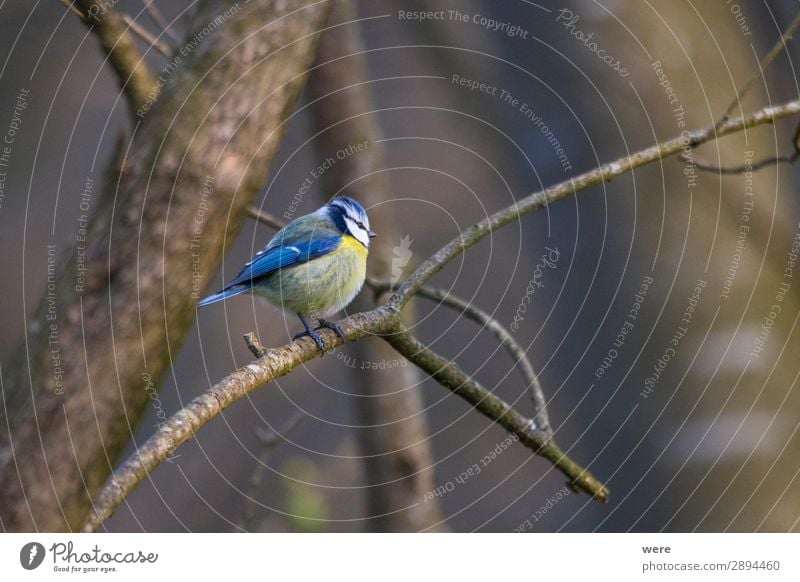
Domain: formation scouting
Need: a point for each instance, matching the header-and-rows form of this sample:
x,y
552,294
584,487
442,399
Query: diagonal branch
x,y
147,36
478,315
605,173
506,340
777,48
385,320
265,217
449,375
276,362
135,27
112,31
151,8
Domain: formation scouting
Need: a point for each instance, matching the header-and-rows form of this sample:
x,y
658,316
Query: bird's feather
x,y
313,226
277,258
312,265
224,294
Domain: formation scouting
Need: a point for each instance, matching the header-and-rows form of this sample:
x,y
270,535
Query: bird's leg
x,y
331,325
310,333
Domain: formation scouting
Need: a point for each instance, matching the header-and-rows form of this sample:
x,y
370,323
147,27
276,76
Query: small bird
x,y
314,266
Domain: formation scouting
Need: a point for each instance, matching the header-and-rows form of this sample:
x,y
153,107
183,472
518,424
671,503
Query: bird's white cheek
x,y
363,237
358,233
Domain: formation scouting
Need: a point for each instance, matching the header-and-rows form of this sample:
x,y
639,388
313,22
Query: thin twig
x,y
386,320
110,28
145,35
753,166
758,73
476,314
453,378
254,344
158,18
73,9
134,26
269,440
264,217
776,49
607,172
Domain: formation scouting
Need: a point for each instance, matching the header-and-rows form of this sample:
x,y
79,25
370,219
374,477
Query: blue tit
x,y
314,266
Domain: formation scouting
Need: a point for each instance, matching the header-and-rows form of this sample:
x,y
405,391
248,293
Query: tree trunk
x,y
99,343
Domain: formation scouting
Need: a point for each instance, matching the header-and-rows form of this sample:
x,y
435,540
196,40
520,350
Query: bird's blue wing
x,y
271,260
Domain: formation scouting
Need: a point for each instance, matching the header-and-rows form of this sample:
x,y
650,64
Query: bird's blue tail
x,y
224,294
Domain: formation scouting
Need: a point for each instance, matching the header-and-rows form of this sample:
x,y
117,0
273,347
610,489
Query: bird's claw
x,y
314,336
337,329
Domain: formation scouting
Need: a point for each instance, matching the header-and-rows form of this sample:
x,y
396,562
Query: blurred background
x,y
650,320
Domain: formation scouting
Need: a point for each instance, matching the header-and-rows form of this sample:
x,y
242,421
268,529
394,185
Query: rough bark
x,y
194,163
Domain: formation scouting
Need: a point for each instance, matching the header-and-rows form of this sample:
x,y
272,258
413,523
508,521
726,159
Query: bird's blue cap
x,y
343,209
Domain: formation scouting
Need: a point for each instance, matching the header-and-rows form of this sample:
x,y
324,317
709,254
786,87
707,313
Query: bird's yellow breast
x,y
350,243
321,286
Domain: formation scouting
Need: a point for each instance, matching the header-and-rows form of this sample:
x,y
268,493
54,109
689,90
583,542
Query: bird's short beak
x,y
371,234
